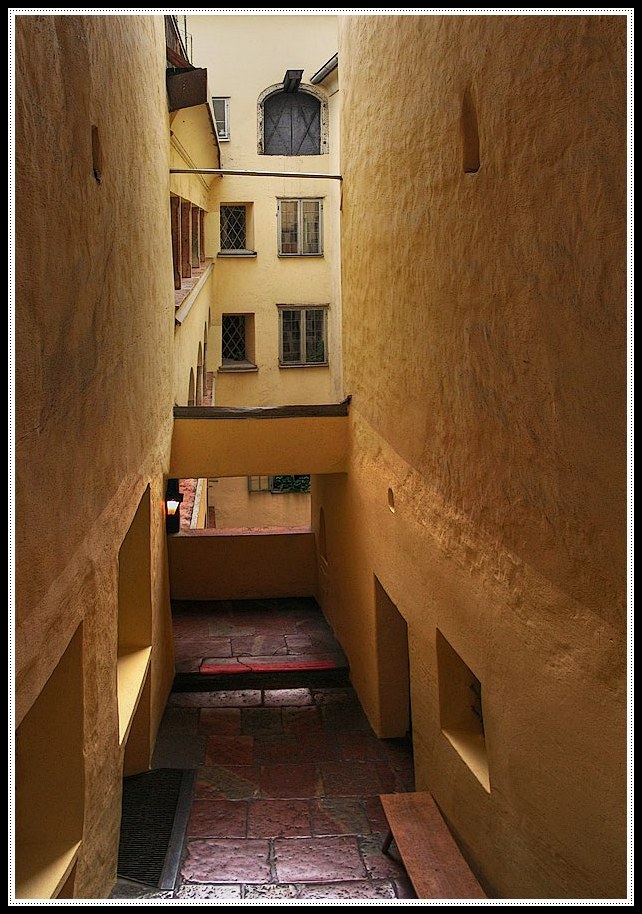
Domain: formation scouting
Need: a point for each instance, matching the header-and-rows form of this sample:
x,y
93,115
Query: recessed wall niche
x,y
50,783
461,710
135,635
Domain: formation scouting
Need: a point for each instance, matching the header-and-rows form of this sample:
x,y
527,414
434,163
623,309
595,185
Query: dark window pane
x,y
233,234
289,227
314,336
311,241
233,338
291,336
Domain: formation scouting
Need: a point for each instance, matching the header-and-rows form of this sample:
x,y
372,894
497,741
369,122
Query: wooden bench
x,y
427,849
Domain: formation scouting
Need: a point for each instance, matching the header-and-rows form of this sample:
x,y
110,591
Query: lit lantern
x,y
173,499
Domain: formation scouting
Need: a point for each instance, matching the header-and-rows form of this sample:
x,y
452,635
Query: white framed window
x,y
303,335
221,107
300,227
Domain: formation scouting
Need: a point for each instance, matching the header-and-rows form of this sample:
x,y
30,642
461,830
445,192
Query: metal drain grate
x,y
156,807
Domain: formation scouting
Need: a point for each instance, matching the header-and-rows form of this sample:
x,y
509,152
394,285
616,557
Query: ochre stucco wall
x,y
231,447
236,506
192,333
268,46
193,145
205,565
484,339
93,389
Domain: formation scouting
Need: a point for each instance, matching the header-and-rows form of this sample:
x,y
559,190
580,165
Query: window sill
x,y
131,671
238,368
286,256
236,254
304,364
472,749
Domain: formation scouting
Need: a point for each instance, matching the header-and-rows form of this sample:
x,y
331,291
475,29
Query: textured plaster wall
x,y
227,447
205,565
236,506
484,340
245,55
93,394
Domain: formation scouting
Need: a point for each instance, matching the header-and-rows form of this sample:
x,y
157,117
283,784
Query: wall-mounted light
x,y
292,80
173,499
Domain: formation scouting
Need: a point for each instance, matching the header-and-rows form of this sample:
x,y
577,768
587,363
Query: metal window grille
x,y
221,108
304,334
280,484
300,226
233,228
233,327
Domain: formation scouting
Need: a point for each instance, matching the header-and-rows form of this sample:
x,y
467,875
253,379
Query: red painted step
x,y
216,665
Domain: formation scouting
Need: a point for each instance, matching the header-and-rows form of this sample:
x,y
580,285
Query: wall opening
x,y
323,542
391,500
237,343
251,502
393,666
469,134
461,709
96,154
199,376
191,393
50,783
135,639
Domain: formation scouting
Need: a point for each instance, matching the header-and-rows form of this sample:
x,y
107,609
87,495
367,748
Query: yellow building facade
x,y
255,276
469,511
256,287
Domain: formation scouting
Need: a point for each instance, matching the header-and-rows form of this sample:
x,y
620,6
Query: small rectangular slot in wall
x,y
461,710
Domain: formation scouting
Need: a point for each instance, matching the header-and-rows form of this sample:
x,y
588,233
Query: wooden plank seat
x,y
432,859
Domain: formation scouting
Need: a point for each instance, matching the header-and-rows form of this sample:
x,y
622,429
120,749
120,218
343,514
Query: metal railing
x,y
177,38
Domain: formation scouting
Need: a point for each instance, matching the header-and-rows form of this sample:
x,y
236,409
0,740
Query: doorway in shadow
x,y
393,666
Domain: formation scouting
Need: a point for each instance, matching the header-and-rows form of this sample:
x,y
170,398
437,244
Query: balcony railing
x,y
178,41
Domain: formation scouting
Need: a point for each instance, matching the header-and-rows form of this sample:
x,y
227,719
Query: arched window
x,y
191,395
293,123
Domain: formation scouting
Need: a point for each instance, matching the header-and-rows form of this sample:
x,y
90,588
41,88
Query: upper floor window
x,y
236,230
303,335
293,122
292,125
221,108
300,226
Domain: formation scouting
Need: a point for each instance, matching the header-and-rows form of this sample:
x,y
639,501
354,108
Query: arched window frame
x,y
308,90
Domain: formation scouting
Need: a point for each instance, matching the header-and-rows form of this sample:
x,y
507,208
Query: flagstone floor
x,y
287,780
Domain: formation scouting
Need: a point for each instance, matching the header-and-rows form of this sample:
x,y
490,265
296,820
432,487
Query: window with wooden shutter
x,y
291,124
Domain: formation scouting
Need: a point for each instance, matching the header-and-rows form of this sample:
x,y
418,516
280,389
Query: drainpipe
x,y
266,174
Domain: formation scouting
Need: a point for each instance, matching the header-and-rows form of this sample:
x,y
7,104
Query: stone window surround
x,y
309,90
